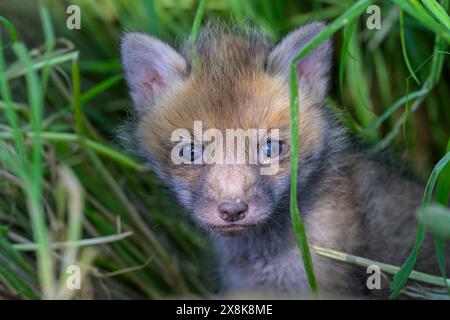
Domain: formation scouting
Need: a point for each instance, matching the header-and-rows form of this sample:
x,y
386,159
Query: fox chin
x,y
239,80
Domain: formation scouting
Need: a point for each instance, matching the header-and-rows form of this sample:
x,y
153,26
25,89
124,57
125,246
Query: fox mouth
x,y
231,229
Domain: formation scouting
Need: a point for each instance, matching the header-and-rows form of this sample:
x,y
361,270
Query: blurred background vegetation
x,y
70,194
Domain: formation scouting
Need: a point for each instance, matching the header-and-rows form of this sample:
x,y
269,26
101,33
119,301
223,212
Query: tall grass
x,y
70,195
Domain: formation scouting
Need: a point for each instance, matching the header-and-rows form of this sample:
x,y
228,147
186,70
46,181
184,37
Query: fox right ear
x,y
313,70
150,66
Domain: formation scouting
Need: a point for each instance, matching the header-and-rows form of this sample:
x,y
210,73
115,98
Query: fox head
x,y
236,80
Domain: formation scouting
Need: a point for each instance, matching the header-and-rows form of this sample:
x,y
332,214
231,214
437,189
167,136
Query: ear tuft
x,y
151,67
313,70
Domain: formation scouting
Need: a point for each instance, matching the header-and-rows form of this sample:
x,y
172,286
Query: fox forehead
x,y
252,101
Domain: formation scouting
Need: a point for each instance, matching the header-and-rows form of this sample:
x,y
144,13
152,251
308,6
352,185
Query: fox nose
x,y
233,209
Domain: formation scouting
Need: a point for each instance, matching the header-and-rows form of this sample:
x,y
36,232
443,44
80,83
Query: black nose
x,y
233,209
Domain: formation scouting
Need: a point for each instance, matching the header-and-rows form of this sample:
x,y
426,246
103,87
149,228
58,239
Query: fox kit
x,y
238,79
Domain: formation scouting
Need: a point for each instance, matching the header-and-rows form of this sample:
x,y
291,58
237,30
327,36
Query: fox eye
x,y
190,152
271,149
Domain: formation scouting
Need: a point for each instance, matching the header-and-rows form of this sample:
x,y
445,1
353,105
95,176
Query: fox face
x,y
239,84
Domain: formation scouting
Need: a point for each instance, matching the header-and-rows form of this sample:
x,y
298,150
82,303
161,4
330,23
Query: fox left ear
x,y
313,69
151,68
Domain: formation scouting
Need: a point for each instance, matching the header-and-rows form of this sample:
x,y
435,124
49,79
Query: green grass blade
x,y
358,86
70,184
400,102
385,267
100,88
351,14
11,31
33,187
438,12
299,228
195,31
404,51
443,184
414,8
19,70
348,16
440,252
76,100
152,18
49,42
75,243
402,275
11,114
437,62
99,148
442,197
13,271
236,10
348,33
